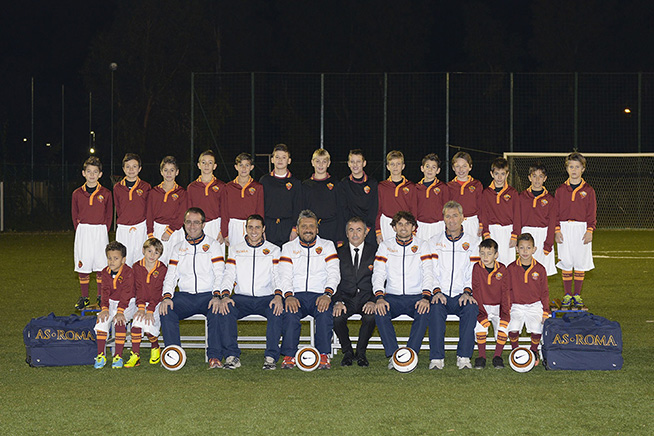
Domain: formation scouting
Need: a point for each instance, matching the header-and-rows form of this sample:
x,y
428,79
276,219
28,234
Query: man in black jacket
x,y
354,293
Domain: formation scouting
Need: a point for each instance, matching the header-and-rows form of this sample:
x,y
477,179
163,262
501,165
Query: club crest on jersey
x,y
405,190
120,279
330,186
471,188
265,251
507,197
155,274
318,250
100,198
535,275
205,247
175,196
583,194
366,189
215,188
499,275
289,185
437,191
465,246
544,202
370,267
139,192
414,248
79,264
251,191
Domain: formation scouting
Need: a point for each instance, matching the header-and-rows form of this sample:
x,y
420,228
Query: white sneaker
x,y
269,363
436,363
463,362
232,362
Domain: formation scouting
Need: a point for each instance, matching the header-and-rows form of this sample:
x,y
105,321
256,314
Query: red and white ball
x,y
522,359
173,357
404,359
307,358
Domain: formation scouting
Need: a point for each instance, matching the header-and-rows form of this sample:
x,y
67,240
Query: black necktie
x,y
356,259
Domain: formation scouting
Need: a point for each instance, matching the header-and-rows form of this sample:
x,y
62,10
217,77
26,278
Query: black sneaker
x,y
480,363
82,303
498,362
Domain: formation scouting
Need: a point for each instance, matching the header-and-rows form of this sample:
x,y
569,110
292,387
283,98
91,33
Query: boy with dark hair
x,y
131,199
92,212
206,192
432,196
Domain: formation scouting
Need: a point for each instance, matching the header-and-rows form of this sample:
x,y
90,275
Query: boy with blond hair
x,y
320,197
468,192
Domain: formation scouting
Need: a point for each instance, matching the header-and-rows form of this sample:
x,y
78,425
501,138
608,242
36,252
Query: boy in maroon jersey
x,y
166,208
432,196
500,211
130,198
538,214
490,286
395,194
467,191
530,297
118,304
206,192
577,209
92,211
149,276
243,197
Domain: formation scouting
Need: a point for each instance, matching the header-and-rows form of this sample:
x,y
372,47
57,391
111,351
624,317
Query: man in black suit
x,y
354,293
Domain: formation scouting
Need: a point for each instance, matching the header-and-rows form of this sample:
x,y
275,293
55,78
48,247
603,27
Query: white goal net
x,y
624,184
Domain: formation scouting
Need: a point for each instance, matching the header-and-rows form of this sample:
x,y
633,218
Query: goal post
x,y
623,182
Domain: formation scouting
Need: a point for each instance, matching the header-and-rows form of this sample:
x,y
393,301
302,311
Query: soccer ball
x,y
404,359
522,359
173,357
307,358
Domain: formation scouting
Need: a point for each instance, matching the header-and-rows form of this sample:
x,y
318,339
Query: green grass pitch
x,y
37,278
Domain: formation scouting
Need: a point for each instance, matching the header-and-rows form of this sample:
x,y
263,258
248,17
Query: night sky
x,y
71,43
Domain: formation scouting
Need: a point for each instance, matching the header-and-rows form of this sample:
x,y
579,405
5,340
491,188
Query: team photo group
x,y
286,249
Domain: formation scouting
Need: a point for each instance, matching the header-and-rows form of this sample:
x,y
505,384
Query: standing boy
x,y
320,196
166,206
538,213
500,211
149,275
395,194
131,199
282,198
243,197
207,192
92,212
490,285
118,304
357,194
530,296
468,192
577,207
432,196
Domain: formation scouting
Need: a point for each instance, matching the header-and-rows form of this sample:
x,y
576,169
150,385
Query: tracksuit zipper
x,y
254,252
306,285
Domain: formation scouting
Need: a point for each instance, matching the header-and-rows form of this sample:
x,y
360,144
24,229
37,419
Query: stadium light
x,y
92,150
627,110
47,144
24,139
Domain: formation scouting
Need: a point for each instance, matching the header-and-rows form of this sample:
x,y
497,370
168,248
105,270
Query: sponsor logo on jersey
x,y
535,275
414,248
507,197
139,192
79,264
175,196
583,194
100,198
366,189
330,186
544,202
465,246
251,191
405,190
318,250
471,188
499,275
592,340
205,247
215,188
265,251
289,185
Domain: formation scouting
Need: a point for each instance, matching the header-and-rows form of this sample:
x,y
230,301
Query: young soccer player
x,y
357,194
320,197
490,285
118,303
207,193
166,208
577,216
432,196
243,197
530,297
468,192
500,211
282,198
395,194
149,274
538,215
131,197
92,212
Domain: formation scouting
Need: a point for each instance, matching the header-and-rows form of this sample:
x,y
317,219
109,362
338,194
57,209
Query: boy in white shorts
x,y
92,211
577,212
131,199
500,212
530,297
149,274
538,213
118,303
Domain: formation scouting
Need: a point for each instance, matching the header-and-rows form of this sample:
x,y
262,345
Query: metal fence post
x,y
511,115
190,173
447,127
252,113
576,112
640,106
385,145
322,110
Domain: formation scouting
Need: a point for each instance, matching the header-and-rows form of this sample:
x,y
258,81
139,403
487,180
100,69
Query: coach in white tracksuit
x,y
251,269
453,255
197,265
